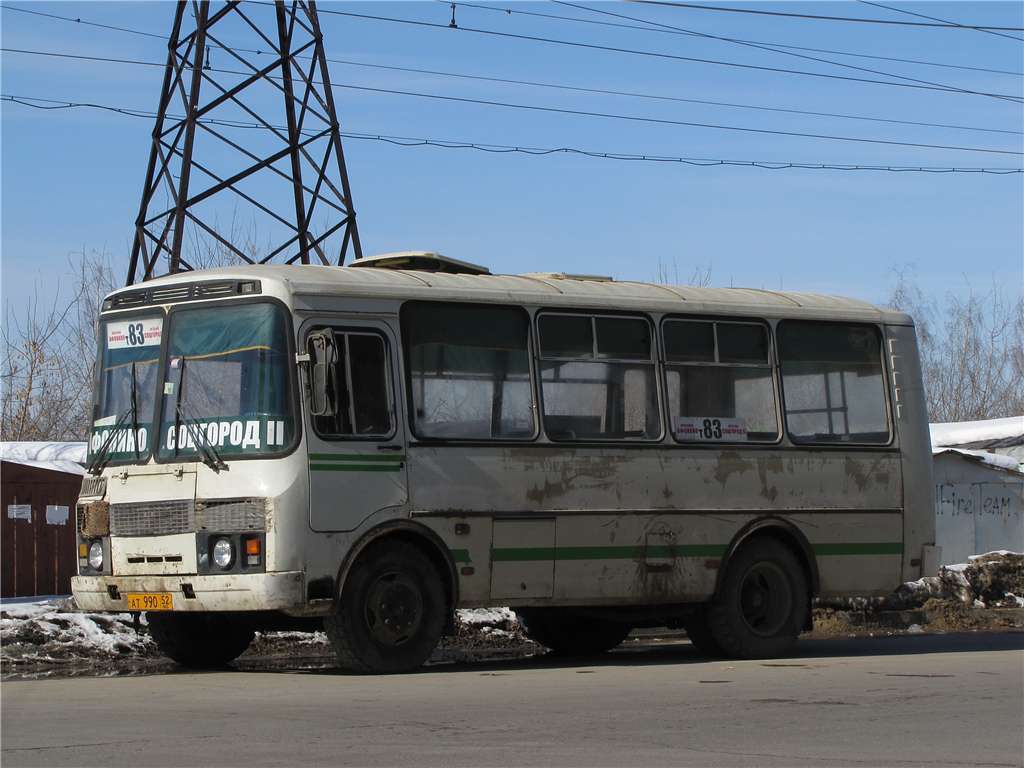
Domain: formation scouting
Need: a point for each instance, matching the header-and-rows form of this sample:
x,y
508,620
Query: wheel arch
x,y
787,534
421,537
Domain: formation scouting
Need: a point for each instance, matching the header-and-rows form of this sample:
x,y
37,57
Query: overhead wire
x,y
563,86
509,10
654,54
947,21
412,141
772,49
820,17
567,111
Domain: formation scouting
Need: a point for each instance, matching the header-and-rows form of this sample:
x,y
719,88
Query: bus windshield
x,y
126,387
225,383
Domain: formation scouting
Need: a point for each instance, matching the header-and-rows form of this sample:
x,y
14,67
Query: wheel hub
x,y
766,600
394,609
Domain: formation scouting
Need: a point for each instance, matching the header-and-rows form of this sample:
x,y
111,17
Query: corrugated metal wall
x,y
37,547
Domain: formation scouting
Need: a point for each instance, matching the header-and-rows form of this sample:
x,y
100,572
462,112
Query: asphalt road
x,y
935,700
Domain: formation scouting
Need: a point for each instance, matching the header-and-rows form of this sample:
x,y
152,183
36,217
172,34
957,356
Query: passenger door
x,y
357,456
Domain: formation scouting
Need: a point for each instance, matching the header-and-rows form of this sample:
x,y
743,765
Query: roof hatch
x,y
422,261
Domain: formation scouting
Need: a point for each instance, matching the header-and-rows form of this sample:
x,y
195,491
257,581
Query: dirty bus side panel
x,y
650,526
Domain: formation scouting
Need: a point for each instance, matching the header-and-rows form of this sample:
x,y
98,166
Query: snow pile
x,y
51,632
992,580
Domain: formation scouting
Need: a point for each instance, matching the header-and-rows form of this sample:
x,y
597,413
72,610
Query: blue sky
x,y
71,179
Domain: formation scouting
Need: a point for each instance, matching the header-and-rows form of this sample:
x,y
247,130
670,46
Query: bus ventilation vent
x,y
163,294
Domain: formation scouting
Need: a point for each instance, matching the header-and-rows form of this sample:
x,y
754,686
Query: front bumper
x,y
232,592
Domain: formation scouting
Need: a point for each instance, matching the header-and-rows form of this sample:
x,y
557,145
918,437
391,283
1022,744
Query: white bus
x,y
369,448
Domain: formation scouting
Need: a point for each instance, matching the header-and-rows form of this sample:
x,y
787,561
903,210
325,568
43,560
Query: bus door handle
x,y
389,447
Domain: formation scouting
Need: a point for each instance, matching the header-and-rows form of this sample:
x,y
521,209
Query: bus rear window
x,y
833,383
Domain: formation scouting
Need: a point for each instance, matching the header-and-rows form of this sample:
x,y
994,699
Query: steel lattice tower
x,y
246,127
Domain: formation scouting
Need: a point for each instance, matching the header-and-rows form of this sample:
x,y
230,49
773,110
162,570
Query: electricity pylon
x,y
246,163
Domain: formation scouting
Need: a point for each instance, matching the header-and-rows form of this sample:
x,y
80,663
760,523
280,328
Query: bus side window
x,y
718,378
363,391
468,368
597,378
833,382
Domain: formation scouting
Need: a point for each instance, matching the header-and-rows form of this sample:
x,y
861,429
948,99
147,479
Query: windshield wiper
x,y
101,458
210,456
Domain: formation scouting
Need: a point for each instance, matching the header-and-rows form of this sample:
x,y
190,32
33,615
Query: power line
x,y
771,49
654,54
642,28
566,87
567,111
817,17
933,18
76,20
413,141
665,97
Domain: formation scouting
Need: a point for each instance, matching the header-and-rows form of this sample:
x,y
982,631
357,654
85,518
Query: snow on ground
x,y
486,616
994,579
50,631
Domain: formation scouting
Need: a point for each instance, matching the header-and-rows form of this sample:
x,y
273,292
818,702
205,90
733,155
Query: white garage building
x,y
979,487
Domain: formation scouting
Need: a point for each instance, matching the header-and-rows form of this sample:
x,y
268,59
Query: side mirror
x,y
322,389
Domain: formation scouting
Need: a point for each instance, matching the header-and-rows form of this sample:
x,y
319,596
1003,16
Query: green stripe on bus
x,y
869,548
460,555
512,554
360,457
606,553
354,467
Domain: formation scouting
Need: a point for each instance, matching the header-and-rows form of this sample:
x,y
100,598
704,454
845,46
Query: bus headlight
x,y
96,555
223,553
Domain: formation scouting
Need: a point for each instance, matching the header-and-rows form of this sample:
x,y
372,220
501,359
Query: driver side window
x,y
363,384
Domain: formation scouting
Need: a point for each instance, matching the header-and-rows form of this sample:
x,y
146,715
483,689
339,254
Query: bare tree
x,y
700,276
48,358
972,351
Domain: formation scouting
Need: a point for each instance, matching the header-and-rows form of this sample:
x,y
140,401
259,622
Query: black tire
x,y
699,634
569,634
392,613
199,640
761,603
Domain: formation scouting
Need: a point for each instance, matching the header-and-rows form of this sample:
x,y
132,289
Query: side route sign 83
x,y
142,332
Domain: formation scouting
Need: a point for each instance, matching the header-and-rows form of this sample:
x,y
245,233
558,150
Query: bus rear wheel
x,y
199,640
570,634
392,611
761,603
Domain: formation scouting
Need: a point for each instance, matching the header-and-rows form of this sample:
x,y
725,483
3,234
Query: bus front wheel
x,y
200,640
392,611
761,603
569,634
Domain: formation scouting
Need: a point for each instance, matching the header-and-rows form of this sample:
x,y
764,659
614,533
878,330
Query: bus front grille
x,y
164,518
152,518
232,515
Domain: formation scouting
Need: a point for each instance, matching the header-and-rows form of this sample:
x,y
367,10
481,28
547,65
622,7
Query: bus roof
x,y
546,289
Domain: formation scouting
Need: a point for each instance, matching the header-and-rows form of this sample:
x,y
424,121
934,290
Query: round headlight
x,y
96,555
222,553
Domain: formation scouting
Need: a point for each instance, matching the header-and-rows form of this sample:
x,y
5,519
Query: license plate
x,y
150,601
